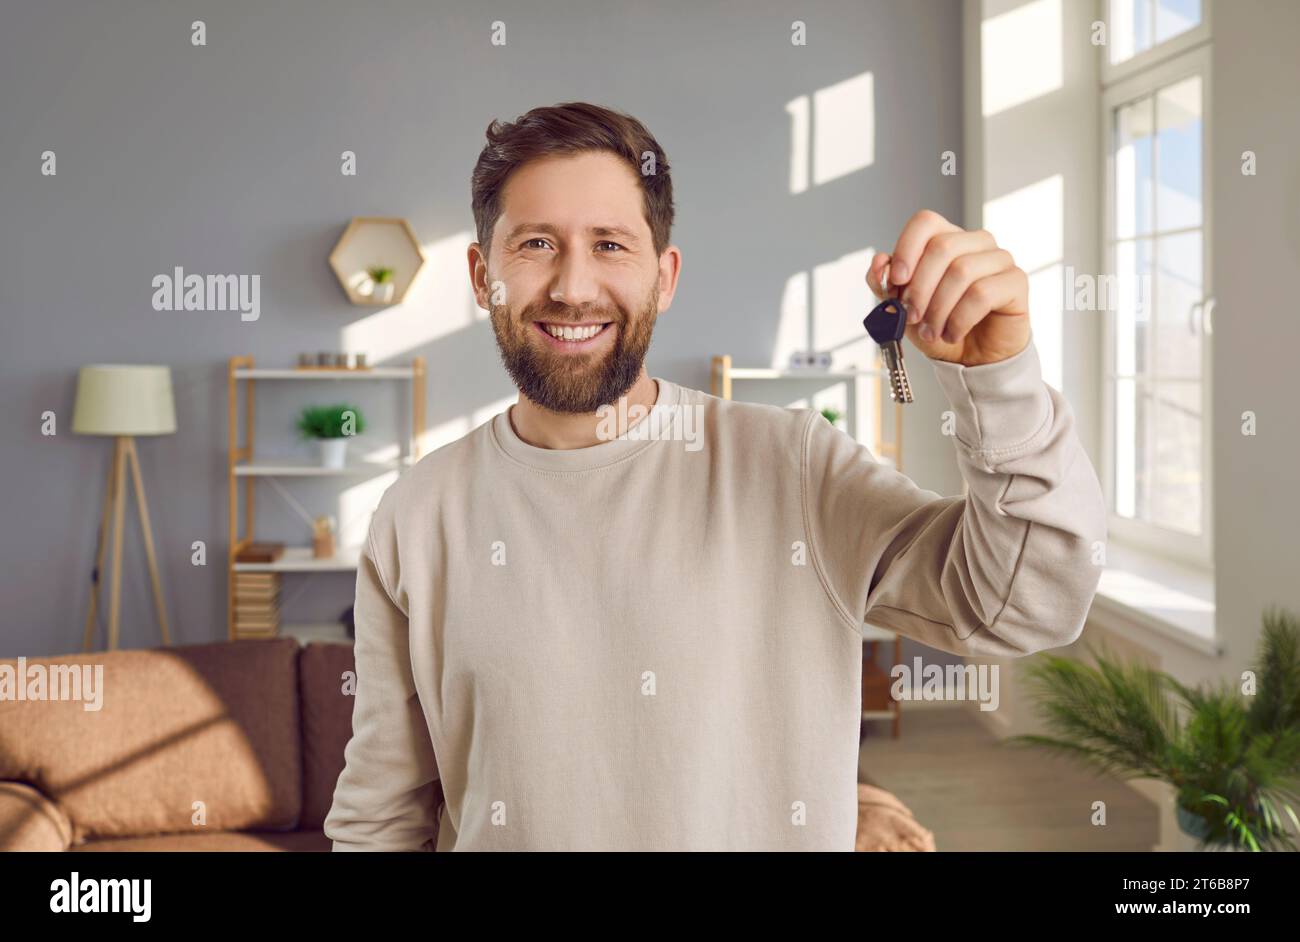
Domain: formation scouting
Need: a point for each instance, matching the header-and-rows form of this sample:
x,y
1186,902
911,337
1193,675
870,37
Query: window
x,y
1157,243
1138,25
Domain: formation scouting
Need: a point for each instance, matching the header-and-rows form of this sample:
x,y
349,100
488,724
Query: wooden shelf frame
x,y
722,374
240,462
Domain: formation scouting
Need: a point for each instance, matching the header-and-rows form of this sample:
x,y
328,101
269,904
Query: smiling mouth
x,y
572,336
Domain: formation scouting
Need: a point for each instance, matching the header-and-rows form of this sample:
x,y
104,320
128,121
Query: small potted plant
x,y
1232,759
381,283
331,427
832,415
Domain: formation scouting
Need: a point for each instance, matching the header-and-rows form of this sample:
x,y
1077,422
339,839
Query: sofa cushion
x,y
211,723
326,724
309,840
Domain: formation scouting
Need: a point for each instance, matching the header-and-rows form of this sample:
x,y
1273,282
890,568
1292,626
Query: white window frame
x,y
1170,48
1184,56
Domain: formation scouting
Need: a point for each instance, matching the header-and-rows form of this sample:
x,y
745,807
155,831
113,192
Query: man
x,y
589,638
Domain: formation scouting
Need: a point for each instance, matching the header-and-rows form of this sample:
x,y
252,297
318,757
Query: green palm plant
x,y
1233,760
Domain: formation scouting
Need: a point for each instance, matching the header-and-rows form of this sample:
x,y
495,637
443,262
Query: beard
x,y
573,383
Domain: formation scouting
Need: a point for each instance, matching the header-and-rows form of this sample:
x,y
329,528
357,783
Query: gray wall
x,y
225,159
1256,258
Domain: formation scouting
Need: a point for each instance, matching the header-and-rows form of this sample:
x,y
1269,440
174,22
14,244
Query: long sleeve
x,y
385,798
1007,570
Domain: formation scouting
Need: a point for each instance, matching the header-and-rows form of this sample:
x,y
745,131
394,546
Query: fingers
x,y
959,276
1001,292
875,275
916,235
942,251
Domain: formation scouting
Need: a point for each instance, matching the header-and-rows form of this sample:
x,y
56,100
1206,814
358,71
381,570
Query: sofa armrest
x,y
30,821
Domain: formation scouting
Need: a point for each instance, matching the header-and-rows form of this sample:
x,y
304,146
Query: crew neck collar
x,y
599,455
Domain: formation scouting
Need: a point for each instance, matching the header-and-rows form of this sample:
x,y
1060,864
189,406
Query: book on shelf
x,y
251,634
251,622
257,578
256,605
247,612
266,552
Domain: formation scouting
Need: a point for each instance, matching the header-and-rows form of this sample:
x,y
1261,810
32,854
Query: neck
x,y
543,428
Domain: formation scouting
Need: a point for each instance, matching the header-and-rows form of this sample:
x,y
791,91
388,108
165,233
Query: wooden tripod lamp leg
x,y
136,480
89,637
119,499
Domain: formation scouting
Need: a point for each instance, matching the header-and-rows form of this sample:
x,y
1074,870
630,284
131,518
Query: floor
x,y
975,793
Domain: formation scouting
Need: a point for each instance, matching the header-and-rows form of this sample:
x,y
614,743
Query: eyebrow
x,y
621,231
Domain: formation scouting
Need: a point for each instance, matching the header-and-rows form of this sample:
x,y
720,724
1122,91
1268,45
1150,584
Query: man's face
x,y
573,255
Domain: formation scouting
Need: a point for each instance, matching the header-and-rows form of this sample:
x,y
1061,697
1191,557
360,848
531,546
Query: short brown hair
x,y
571,128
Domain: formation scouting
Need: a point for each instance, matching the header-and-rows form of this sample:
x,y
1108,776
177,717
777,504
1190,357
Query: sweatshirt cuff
x,y
999,408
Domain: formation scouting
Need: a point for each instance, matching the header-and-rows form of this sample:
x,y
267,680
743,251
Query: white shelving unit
x,y
294,469
300,559
316,372
242,466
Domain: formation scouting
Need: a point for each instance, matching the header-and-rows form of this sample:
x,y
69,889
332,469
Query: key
x,y
886,324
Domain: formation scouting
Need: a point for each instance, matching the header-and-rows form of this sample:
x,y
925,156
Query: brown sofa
x,y
228,746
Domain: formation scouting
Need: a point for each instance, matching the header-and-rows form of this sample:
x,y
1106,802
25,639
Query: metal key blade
x,y
900,389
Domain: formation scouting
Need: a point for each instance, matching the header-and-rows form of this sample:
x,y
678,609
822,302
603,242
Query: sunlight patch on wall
x,y
1047,320
844,128
1022,55
800,135
356,504
832,134
841,299
793,329
1030,224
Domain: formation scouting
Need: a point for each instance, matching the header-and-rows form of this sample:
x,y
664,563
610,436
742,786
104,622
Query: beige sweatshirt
x,y
655,643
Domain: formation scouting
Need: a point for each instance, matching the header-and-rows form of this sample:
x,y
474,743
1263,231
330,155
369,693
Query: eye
x,y
615,244
528,243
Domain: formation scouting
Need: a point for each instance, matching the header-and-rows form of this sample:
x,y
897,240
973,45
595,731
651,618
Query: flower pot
x,y
1191,824
333,452
382,292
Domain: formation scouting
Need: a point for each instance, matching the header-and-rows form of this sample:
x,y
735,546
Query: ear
x,y
478,273
670,267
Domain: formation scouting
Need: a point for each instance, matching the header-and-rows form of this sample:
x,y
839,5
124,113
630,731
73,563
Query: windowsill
x,y
1143,593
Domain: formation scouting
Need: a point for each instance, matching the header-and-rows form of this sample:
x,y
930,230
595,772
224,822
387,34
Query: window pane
x,y
1131,296
1134,187
1178,149
1175,481
1130,28
1178,289
1176,16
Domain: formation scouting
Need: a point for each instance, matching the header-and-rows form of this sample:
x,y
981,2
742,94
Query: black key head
x,y
887,321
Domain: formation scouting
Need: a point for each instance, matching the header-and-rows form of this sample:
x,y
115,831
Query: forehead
x,y
573,191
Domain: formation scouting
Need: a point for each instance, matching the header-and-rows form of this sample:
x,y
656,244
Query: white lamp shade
x,y
124,400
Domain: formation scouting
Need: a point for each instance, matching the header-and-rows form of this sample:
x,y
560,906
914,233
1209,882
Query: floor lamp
x,y
123,402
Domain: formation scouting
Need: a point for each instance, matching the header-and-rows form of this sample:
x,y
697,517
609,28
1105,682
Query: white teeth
x,y
573,333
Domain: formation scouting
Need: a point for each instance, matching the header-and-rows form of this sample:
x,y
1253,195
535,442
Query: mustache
x,y
562,313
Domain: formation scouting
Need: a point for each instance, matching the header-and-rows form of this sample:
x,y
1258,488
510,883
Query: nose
x,y
575,282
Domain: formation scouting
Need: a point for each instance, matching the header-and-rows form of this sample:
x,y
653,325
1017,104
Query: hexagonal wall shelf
x,y
376,242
